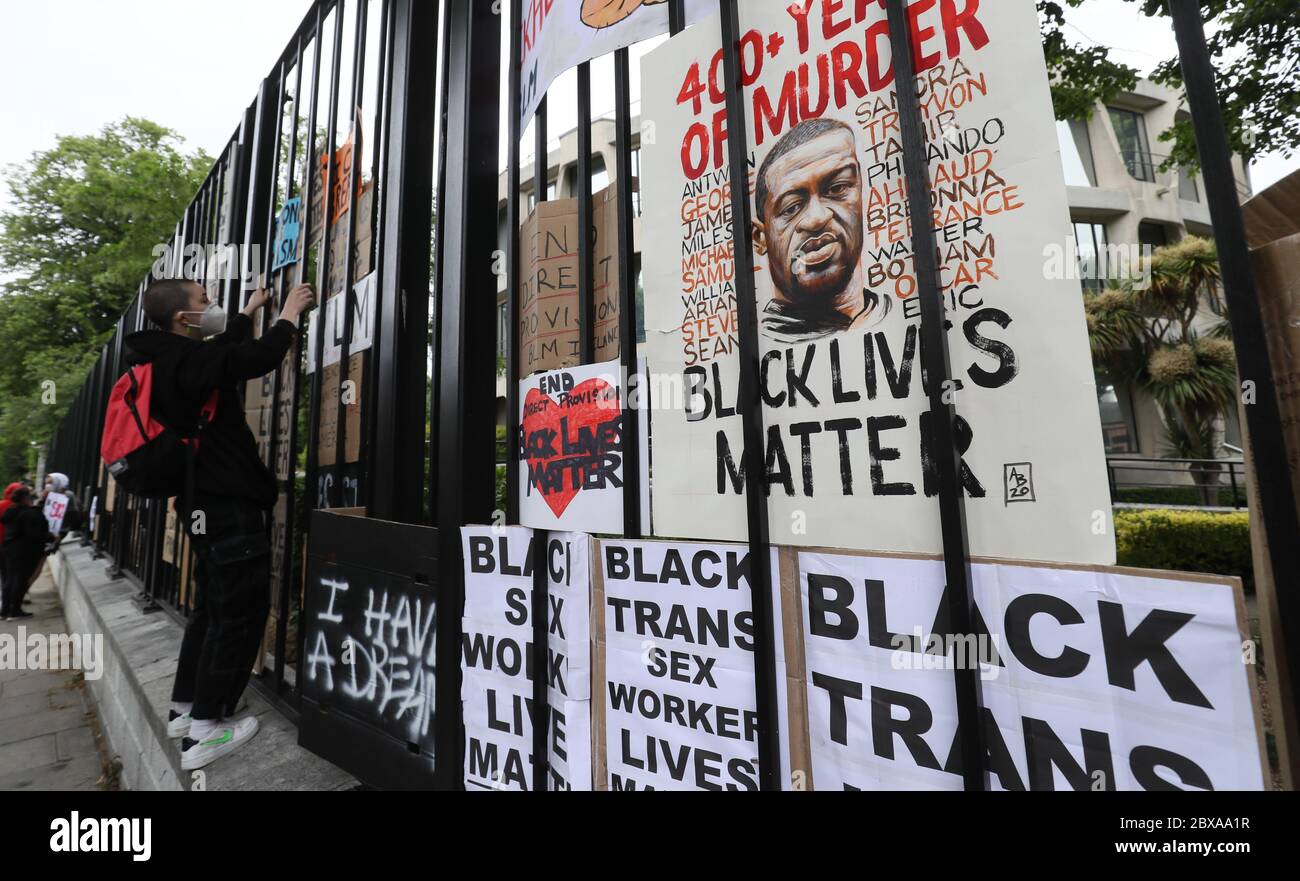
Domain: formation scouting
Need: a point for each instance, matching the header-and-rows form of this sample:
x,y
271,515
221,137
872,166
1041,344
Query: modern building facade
x,y
1119,198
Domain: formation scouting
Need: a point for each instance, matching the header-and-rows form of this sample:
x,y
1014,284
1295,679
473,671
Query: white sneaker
x,y
178,724
232,734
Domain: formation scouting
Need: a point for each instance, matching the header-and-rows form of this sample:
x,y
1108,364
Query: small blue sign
x,y
288,227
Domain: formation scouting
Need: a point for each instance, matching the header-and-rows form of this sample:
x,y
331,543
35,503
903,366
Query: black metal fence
x,y
1204,483
368,101
339,136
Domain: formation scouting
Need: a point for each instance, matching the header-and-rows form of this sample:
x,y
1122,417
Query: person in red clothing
x,y
26,534
5,504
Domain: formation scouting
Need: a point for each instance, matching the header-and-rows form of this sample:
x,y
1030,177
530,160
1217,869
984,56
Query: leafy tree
x,y
86,217
1255,47
1148,336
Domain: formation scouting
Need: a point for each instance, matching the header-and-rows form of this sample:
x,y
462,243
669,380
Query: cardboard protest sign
x,y
677,666
556,35
1272,219
332,393
847,443
571,449
1097,678
55,509
497,684
549,314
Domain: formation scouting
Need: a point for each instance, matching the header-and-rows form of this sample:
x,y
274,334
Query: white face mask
x,y
212,321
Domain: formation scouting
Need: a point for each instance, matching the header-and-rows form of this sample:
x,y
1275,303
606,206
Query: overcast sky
x,y
72,66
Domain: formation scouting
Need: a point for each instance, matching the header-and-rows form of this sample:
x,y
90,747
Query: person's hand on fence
x,y
300,300
256,300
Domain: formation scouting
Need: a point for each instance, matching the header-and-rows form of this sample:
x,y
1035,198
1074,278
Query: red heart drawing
x,y
548,426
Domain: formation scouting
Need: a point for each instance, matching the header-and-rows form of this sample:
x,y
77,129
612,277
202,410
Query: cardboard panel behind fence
x,y
1273,231
548,303
329,412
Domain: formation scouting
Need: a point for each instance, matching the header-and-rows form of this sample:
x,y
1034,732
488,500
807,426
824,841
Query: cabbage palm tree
x,y
1146,335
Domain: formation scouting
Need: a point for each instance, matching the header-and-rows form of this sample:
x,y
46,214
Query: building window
x,y
1152,235
1131,131
636,182
1118,432
503,329
599,176
1188,190
1076,153
1090,239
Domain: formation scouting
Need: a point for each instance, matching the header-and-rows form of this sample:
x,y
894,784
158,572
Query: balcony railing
x,y
1143,165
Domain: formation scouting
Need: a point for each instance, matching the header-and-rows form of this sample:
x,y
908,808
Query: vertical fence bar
x,y
466,331
324,499
435,289
513,279
627,296
750,405
541,537
309,197
943,415
378,159
283,372
676,16
586,294
358,82
1267,435
402,318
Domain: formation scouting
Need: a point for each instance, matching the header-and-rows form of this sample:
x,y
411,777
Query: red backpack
x,y
145,457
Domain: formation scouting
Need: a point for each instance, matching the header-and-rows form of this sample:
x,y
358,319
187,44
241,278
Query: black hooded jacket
x,y
26,533
185,371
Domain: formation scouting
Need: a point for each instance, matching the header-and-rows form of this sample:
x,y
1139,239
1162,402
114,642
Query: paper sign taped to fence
x,y
288,233
364,302
557,35
571,449
680,704
847,450
1091,679
56,508
497,684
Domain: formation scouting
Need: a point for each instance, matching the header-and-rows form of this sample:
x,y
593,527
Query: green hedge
x,y
1187,541
1179,495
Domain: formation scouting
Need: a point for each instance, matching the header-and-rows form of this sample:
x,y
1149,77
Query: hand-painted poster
x,y
1092,679
680,704
571,451
560,34
847,458
497,688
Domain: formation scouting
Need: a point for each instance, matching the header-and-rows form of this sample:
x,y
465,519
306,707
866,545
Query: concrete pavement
x,y
49,736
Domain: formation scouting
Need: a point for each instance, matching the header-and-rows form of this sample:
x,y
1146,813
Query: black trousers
x,y
18,567
233,575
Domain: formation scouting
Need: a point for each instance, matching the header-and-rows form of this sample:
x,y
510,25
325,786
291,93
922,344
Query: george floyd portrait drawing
x,y
603,13
808,223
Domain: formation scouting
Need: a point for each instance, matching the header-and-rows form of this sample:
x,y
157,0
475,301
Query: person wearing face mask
x,y
196,351
59,506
